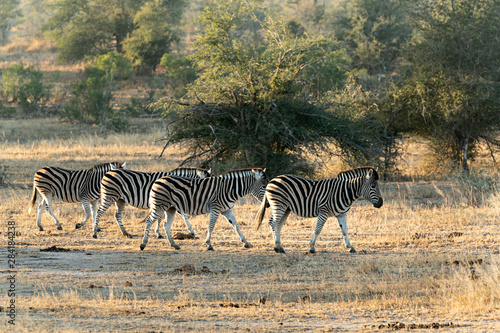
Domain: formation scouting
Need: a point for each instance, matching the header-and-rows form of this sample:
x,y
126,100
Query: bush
x,y
92,101
178,71
116,65
24,85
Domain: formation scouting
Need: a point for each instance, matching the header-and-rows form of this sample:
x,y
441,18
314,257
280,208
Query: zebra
x,y
214,195
69,186
132,187
318,198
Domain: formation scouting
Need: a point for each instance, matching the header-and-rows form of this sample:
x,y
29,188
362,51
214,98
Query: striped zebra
x,y
69,186
318,198
214,195
123,187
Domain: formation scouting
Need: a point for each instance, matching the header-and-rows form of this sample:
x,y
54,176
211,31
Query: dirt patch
x,y
54,248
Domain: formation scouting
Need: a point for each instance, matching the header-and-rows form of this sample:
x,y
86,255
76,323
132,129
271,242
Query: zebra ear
x,y
124,164
209,171
264,170
369,174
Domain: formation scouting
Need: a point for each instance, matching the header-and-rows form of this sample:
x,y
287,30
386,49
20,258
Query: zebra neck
x,y
354,187
240,186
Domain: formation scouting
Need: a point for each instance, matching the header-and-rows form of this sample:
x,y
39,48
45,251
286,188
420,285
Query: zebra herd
x,y
194,191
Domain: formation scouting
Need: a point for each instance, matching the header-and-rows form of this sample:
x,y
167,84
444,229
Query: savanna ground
x,y
425,257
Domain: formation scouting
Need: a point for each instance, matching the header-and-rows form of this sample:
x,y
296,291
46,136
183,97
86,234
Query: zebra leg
x,y
188,225
279,220
48,200
88,213
320,222
153,216
94,212
157,230
39,215
214,215
120,205
343,226
229,215
102,208
169,217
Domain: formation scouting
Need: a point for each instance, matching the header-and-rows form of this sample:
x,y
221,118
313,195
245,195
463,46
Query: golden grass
x,y
425,256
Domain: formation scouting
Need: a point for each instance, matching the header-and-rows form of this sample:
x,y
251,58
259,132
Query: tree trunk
x,y
465,147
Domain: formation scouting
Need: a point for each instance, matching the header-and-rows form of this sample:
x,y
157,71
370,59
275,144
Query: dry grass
x,y
424,257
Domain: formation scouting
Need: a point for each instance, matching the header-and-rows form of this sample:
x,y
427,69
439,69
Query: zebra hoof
x,y
192,234
279,250
142,246
160,236
59,228
177,247
78,226
312,251
127,235
352,250
40,228
248,246
94,236
99,229
210,248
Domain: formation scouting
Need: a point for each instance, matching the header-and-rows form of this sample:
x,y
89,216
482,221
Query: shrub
x,y
24,85
92,101
116,65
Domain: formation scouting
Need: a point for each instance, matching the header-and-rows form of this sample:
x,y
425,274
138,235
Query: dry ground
x,y
423,258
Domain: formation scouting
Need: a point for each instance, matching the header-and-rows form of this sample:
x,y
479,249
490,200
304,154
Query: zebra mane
x,y
240,172
101,165
189,168
357,172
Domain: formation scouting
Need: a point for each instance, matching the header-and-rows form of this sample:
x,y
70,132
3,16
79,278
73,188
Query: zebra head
x,y
117,165
370,190
202,173
259,187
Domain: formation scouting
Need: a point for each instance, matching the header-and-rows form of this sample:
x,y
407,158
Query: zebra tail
x,y
261,212
33,199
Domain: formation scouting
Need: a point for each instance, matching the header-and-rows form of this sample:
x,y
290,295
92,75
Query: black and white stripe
x,y
318,198
69,186
214,195
123,187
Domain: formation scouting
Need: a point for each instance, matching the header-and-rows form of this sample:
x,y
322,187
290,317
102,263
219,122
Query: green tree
x,y
90,27
453,80
155,31
373,32
25,86
9,11
266,94
93,96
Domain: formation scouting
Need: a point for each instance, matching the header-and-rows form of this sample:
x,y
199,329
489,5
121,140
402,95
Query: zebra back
x,y
198,196
134,186
189,172
357,172
72,185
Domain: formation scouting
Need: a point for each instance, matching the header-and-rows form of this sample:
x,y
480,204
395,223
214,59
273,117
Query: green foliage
x,y
116,65
178,72
9,10
373,31
92,101
25,86
154,34
143,30
452,83
264,94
